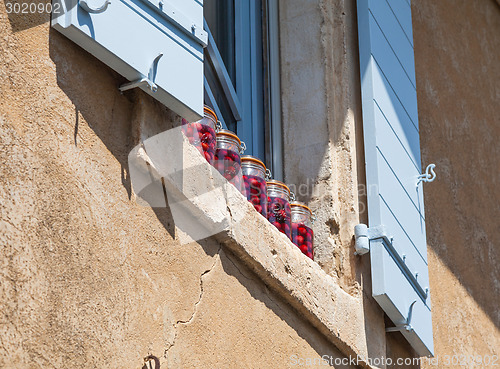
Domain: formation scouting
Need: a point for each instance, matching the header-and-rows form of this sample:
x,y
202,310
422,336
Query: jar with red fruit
x,y
227,157
278,206
302,233
202,134
254,179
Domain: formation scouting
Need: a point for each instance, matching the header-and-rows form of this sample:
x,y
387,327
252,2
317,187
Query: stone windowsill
x,y
204,204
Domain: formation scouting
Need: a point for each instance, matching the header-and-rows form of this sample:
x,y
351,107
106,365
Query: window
x,y
242,74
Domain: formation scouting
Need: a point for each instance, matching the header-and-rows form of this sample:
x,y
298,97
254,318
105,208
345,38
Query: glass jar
x,y
254,181
302,233
202,134
227,157
278,206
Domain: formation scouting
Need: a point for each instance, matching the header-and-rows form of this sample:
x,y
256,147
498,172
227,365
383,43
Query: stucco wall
x,y
457,53
90,279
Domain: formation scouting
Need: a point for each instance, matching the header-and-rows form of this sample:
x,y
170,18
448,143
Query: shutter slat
x,y
193,8
400,206
386,100
395,76
402,12
391,292
404,246
398,41
400,162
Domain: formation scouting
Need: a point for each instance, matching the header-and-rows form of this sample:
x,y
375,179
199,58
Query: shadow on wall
x,y
27,14
114,117
456,64
286,313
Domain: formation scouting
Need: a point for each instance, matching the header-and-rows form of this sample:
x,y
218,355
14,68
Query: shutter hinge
x,y
363,235
89,9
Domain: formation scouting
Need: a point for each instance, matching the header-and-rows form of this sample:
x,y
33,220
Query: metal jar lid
x,y
252,159
274,182
208,111
228,133
301,205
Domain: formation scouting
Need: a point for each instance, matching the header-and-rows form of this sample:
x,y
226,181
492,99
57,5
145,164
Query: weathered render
x,y
90,278
457,49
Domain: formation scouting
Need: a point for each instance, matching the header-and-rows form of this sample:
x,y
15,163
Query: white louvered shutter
x,y
157,44
398,248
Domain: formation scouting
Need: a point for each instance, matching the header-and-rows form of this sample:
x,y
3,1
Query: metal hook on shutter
x,y
404,327
269,175
428,176
243,147
145,81
85,6
154,68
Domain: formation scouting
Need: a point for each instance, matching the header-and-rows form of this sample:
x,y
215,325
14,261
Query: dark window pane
x,y
219,15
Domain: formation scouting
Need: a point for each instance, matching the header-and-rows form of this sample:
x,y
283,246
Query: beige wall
x,y
88,278
457,54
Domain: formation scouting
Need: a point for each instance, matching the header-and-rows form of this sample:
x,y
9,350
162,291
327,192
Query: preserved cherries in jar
x,y
202,135
302,233
254,180
278,206
227,157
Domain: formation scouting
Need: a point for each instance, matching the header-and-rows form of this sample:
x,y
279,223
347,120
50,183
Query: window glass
x,y
219,15
239,33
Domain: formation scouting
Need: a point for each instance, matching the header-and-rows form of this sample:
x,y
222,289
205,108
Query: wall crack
x,y
195,307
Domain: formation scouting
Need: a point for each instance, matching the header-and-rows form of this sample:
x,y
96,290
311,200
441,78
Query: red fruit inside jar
x,y
278,213
203,137
302,236
228,163
256,192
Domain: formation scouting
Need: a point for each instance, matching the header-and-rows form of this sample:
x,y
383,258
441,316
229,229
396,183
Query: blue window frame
x,y
242,74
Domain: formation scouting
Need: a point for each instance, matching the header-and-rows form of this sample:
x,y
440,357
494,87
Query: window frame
x,y
255,101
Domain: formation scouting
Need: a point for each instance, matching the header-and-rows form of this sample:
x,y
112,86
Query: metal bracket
x,y
85,6
145,81
139,83
313,217
428,176
404,327
363,235
218,126
243,147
